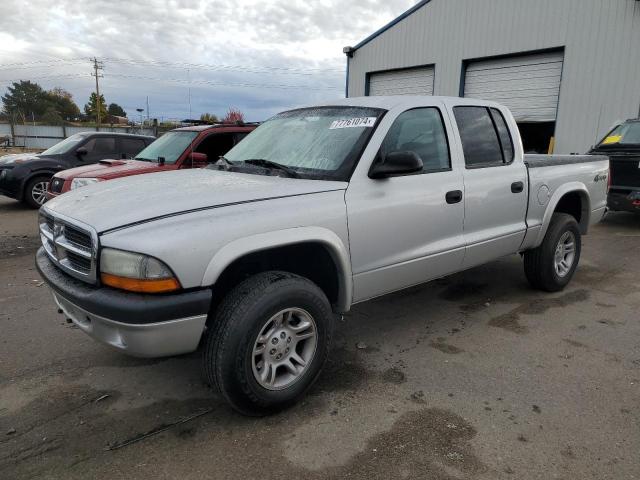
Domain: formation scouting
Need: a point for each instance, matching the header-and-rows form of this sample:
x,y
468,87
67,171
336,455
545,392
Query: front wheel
x,y
268,342
35,192
551,266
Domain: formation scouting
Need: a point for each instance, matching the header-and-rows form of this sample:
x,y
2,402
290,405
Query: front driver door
x,y
100,148
407,229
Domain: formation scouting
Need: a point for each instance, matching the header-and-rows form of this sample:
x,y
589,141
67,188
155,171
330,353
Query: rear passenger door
x,y
495,185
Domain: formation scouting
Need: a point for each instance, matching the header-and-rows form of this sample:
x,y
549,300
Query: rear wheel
x,y
551,266
268,342
35,192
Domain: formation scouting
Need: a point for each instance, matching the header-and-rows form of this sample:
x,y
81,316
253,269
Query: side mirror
x,y
81,152
198,160
395,164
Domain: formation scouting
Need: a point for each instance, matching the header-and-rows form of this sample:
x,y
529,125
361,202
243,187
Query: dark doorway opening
x,y
536,136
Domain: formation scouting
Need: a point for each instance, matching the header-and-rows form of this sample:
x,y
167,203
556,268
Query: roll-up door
x,y
529,84
410,81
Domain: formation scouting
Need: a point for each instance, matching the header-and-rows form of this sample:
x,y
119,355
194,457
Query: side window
x,y
420,130
479,138
131,146
104,145
99,148
240,136
216,145
505,136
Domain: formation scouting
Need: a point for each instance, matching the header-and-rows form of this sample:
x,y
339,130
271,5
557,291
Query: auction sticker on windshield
x,y
353,122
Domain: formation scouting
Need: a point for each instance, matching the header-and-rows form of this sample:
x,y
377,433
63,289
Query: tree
x,y
91,108
116,110
25,98
233,116
52,117
209,118
62,103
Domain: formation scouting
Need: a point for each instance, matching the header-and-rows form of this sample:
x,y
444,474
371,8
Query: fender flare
x,y
280,238
571,187
33,174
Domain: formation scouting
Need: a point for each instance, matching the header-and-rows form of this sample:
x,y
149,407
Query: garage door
x,y
529,85
411,81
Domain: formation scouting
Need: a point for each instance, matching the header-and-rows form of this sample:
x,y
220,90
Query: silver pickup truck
x,y
320,208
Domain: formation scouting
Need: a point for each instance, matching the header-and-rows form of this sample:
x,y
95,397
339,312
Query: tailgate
x,y
625,171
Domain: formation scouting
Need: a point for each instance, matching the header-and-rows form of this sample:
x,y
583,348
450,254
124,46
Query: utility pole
x,y
147,108
97,66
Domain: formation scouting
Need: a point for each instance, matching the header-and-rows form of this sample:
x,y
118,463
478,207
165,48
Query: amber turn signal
x,y
161,285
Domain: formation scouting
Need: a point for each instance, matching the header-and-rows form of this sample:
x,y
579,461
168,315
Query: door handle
x,y
517,187
454,196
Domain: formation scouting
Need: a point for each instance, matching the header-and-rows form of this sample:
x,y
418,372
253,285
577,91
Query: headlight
x,y
3,174
82,182
136,272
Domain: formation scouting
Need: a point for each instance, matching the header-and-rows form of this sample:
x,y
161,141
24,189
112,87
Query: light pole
x,y
140,110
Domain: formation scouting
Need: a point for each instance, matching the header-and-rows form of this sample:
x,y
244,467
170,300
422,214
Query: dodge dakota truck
x,y
186,147
252,259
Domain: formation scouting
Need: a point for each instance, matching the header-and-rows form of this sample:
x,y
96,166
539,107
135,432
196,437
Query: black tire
x,y
29,197
539,263
227,360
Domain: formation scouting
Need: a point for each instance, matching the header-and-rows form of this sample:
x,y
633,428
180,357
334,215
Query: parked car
x,y
25,176
622,145
187,147
318,209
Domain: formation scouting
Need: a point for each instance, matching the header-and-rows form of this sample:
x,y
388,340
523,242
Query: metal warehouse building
x,y
568,69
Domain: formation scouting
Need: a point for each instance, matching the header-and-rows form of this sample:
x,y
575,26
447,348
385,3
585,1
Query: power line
x,y
221,84
39,64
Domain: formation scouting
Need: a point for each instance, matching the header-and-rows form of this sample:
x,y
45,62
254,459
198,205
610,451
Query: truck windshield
x,y
625,134
319,143
169,146
66,145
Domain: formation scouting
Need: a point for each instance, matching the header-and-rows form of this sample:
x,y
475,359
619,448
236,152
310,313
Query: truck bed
x,y
551,176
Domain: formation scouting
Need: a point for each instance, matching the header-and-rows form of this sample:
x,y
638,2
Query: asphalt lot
x,y
475,376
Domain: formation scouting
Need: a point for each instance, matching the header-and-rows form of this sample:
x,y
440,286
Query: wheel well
x,y
575,205
311,260
32,175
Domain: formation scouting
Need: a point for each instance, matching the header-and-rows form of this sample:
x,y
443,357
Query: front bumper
x,y
136,324
9,186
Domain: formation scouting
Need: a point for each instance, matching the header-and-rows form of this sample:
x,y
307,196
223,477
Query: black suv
x,y
25,176
622,145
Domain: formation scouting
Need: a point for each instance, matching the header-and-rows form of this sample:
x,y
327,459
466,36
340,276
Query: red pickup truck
x,y
187,147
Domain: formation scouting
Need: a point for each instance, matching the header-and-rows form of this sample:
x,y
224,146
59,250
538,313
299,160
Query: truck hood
x,y
126,201
108,169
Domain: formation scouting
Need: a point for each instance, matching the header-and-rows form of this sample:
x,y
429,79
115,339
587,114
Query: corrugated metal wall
x,y
45,136
601,38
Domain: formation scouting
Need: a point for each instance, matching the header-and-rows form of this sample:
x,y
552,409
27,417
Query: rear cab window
x,y
486,141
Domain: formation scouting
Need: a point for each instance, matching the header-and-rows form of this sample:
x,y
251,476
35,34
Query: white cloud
x,y
259,35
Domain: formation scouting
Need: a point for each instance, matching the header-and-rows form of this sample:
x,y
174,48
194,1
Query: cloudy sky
x,y
260,56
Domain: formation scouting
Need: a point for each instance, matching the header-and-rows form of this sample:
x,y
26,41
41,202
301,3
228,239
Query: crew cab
x,y
187,147
25,176
318,209
622,145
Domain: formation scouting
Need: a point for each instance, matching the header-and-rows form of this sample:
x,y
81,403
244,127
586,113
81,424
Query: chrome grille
x,y
71,246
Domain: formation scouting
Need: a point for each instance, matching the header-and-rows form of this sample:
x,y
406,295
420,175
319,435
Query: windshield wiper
x,y
261,162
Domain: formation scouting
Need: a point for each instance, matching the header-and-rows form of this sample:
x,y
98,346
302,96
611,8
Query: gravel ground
x,y
474,376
